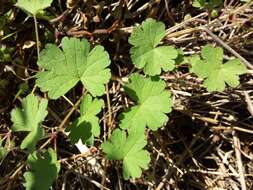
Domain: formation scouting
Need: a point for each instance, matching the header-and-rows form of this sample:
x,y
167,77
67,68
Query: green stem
x,y
64,121
37,35
37,42
109,123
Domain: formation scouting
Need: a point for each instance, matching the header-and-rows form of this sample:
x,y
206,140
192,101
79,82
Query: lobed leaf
x,y
43,170
33,6
130,150
29,119
86,127
153,103
216,74
145,53
75,62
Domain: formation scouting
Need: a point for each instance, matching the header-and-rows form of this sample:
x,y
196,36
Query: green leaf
x,y
181,59
130,150
194,60
216,74
29,119
145,53
211,4
199,3
3,150
153,103
86,127
43,170
75,62
33,6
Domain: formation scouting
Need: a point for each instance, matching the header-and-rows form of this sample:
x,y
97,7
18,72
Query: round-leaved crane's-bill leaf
x,y
43,170
86,127
153,102
29,118
216,74
74,63
33,7
129,150
146,53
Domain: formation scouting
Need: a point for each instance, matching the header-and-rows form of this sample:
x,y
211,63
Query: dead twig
x,y
248,101
237,147
217,39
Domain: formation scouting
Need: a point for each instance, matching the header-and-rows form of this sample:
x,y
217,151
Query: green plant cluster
x,y
62,68
211,4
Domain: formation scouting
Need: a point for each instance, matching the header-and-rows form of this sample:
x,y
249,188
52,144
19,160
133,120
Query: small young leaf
x,y
130,150
33,6
63,69
145,53
214,72
211,4
153,102
43,170
86,127
29,119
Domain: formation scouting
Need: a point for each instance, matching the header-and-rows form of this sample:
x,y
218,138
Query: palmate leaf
x,y
216,74
86,127
75,62
153,103
28,119
33,6
130,150
43,170
145,53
